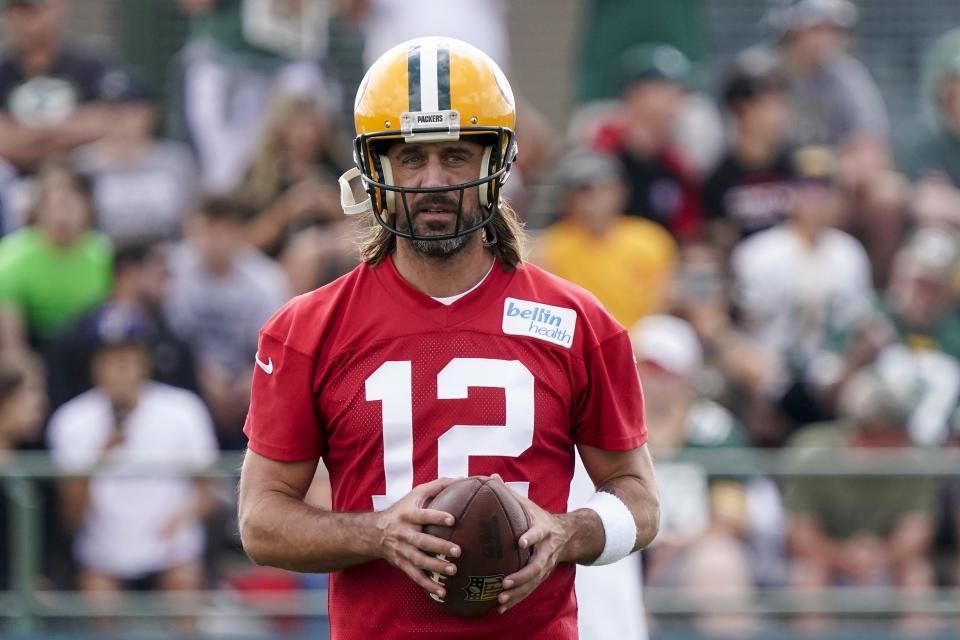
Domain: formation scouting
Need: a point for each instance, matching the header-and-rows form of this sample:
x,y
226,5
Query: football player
x,y
442,355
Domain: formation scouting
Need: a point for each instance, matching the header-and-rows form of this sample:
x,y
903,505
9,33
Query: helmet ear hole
x,y
389,197
487,191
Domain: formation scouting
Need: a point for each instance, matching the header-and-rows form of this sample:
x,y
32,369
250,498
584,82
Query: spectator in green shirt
x,y
928,149
56,268
930,146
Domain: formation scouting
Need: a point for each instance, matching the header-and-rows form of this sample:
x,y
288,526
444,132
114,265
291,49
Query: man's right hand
x,y
402,542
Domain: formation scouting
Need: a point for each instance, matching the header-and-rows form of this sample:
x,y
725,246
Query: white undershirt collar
x,y
449,300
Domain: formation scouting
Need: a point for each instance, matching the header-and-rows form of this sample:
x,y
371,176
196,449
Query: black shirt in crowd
x,y
76,77
750,199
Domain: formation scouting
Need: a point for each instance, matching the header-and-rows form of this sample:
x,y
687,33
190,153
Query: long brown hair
x,y
505,238
264,177
15,371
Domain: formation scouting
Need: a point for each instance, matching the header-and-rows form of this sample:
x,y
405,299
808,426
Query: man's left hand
x,y
547,538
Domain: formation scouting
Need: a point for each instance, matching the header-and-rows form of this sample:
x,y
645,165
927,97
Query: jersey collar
x,y
472,304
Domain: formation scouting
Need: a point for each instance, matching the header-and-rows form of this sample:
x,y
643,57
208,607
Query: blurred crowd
x,y
785,258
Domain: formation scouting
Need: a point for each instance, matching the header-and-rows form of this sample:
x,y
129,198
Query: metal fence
x,y
27,609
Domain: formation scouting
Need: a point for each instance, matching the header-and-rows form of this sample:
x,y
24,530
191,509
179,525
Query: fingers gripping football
x,y
547,538
403,544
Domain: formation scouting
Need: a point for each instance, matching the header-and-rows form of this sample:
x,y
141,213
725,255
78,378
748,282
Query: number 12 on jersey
x,y
392,385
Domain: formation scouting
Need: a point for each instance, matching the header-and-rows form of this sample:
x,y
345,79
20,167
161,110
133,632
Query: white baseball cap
x,y
669,342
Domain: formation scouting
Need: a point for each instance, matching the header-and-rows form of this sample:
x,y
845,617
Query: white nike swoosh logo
x,y
268,367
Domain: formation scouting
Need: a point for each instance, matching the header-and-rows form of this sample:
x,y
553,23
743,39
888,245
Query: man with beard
x,y
443,354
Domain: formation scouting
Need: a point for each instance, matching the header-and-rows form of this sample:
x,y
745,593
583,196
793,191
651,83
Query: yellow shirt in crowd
x,y
628,269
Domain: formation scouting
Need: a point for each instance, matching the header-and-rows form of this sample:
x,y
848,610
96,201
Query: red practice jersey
x,y
393,389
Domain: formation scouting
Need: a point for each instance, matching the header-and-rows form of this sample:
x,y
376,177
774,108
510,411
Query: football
x,y
488,522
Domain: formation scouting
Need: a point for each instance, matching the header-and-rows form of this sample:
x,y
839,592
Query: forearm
x,y
586,536
586,533
283,531
21,146
910,540
74,501
266,229
87,124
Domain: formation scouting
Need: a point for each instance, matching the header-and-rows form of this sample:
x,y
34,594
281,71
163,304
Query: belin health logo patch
x,y
538,320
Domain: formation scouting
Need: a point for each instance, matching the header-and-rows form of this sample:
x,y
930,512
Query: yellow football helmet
x,y
429,90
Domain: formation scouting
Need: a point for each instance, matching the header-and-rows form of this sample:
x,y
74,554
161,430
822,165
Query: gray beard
x,y
442,249
439,248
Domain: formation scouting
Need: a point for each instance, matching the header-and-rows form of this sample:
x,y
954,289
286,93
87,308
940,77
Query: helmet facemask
x,y
393,209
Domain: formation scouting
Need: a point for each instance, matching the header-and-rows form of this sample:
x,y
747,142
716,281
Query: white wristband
x,y
619,527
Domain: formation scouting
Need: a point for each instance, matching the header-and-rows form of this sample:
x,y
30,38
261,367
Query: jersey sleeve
x,y
282,423
609,413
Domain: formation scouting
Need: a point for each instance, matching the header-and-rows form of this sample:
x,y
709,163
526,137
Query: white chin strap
x,y
354,200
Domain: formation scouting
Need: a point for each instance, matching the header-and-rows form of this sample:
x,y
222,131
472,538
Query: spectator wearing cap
x,y
789,278
748,190
53,271
660,186
706,530
928,151
135,524
51,92
914,324
222,290
625,261
670,360
837,104
790,281
143,186
922,295
911,333
140,283
608,29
